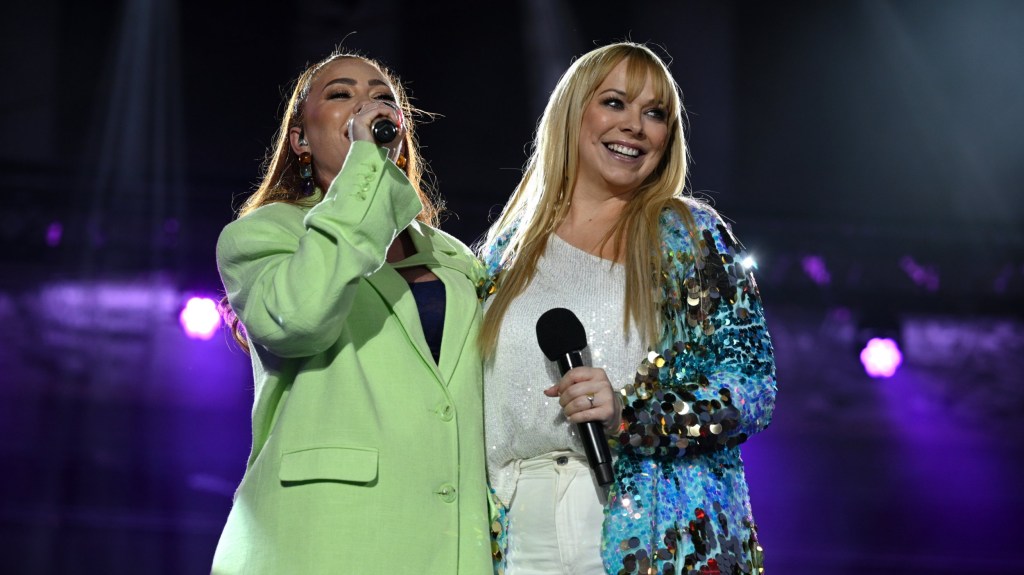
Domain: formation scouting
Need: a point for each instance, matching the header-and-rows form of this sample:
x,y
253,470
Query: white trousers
x,y
555,518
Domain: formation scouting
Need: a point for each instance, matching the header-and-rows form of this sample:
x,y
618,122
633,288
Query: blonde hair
x,y
281,181
541,201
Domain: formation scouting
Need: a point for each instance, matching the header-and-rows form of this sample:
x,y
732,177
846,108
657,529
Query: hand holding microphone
x,y
380,122
585,394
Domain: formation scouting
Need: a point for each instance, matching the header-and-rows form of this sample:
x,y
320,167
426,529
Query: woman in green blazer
x,y
361,321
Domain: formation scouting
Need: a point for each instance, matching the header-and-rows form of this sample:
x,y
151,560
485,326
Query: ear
x,y
296,141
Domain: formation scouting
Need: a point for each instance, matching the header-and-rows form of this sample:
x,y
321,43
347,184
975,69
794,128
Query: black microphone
x,y
561,337
384,130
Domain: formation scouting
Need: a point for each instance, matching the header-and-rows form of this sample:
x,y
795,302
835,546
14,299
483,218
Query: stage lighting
x,y
200,318
877,341
881,357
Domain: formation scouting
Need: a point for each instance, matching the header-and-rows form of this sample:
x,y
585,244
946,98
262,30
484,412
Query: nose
x,y
633,124
361,105
371,104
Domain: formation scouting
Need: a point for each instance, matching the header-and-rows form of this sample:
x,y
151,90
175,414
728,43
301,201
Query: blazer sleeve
x,y
291,274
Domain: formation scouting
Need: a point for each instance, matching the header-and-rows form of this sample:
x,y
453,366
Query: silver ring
x,y
590,398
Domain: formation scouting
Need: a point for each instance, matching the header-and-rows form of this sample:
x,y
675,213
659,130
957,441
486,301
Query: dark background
x,y
869,154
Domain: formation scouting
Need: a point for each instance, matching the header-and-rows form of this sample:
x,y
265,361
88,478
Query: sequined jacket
x,y
680,502
367,456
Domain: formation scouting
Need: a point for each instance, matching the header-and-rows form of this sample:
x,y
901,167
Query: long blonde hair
x,y
281,181
541,201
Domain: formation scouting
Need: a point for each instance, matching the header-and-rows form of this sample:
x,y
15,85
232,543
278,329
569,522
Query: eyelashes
x,y
659,114
345,95
613,103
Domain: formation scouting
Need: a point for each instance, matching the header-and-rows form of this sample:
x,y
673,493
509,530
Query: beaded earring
x,y
306,172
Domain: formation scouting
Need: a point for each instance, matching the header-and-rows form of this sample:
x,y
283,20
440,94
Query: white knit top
x,y
520,421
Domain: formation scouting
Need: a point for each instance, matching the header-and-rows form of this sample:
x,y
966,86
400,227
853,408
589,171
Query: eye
x,y
386,96
339,95
659,114
613,102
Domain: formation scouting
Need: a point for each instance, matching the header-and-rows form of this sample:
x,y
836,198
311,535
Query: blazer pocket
x,y
348,464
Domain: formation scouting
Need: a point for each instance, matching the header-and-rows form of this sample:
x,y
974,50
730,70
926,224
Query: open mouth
x,y
624,150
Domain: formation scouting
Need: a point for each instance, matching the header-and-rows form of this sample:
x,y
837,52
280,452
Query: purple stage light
x,y
814,267
924,276
881,357
54,232
200,318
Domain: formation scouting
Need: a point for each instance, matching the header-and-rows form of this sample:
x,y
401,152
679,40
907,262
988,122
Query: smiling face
x,y
622,138
338,91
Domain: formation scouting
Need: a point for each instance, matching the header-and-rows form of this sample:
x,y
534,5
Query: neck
x,y
594,212
597,202
590,221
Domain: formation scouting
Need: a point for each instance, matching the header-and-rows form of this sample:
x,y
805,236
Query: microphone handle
x,y
594,442
570,360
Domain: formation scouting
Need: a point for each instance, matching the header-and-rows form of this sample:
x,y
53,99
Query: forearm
x,y
291,278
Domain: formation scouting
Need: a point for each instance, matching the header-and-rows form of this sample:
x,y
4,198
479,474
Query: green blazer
x,y
367,456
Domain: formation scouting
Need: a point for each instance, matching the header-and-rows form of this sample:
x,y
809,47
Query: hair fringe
x,y
540,202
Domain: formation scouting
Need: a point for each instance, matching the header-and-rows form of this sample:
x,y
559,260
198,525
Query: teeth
x,y
619,149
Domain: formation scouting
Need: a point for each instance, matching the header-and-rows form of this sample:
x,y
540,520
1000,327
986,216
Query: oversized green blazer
x,y
367,456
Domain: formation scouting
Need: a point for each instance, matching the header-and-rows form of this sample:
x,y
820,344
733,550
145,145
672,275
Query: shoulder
x,y
684,219
444,240
703,214
270,220
450,251
492,249
274,213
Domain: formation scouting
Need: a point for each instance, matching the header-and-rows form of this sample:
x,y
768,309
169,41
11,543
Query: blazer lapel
x,y
393,288
461,304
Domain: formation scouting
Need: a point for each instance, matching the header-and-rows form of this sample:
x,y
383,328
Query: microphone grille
x,y
559,332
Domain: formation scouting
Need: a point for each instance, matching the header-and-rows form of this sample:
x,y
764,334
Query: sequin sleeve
x,y
491,260
490,256
713,382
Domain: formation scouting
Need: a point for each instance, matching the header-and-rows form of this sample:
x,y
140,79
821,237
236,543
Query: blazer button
x,y
447,493
447,413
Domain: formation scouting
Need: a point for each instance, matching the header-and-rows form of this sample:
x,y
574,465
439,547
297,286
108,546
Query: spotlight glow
x,y
815,268
881,357
200,318
54,232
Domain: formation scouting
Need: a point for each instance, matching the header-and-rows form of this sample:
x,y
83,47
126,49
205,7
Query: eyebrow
x,y
625,95
352,82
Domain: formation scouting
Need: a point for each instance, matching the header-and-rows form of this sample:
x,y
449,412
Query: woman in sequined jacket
x,y
599,224
367,452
